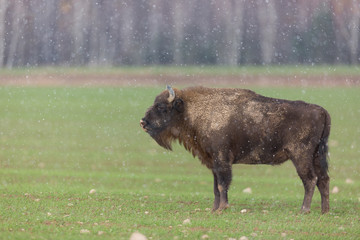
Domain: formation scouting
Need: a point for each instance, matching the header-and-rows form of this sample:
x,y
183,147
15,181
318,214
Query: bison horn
x,y
171,94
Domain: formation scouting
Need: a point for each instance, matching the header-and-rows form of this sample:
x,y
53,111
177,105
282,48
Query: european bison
x,y
227,126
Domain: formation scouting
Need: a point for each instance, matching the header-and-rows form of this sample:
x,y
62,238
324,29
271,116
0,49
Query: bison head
x,y
161,118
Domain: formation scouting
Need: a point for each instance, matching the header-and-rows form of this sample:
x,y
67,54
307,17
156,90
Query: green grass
x,y
207,70
56,144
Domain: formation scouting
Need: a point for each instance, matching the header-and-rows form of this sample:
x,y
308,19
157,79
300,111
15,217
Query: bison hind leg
x,y
323,185
305,170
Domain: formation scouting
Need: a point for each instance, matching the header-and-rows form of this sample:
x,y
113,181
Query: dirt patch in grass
x,y
96,80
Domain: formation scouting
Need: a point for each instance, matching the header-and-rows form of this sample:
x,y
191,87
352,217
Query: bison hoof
x,y
325,211
218,212
305,211
222,207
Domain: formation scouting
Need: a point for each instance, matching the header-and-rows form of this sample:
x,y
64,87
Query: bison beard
x,y
227,126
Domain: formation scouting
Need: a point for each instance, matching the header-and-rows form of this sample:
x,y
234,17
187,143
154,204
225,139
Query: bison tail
x,y
322,152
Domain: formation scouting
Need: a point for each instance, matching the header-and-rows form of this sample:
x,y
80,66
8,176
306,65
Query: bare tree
x,y
235,35
179,25
99,33
80,30
17,30
47,31
155,25
94,40
3,8
126,32
106,35
347,18
231,19
267,18
115,32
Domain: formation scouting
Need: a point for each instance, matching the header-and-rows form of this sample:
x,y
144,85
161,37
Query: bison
x,y
228,126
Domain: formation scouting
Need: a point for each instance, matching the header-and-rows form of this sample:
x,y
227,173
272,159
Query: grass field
x,y
58,143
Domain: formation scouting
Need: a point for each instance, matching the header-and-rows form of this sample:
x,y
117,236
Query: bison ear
x,y
179,105
171,94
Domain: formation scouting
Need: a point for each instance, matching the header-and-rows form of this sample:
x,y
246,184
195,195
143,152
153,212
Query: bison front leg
x,y
216,193
222,179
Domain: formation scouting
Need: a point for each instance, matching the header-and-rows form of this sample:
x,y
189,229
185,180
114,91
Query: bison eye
x,y
161,108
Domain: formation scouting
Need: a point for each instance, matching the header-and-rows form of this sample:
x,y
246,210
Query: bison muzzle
x,y
227,126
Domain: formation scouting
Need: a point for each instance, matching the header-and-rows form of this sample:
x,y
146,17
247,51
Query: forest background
x,y
187,32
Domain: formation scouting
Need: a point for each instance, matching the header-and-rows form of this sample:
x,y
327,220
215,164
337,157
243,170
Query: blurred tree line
x,y
184,32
